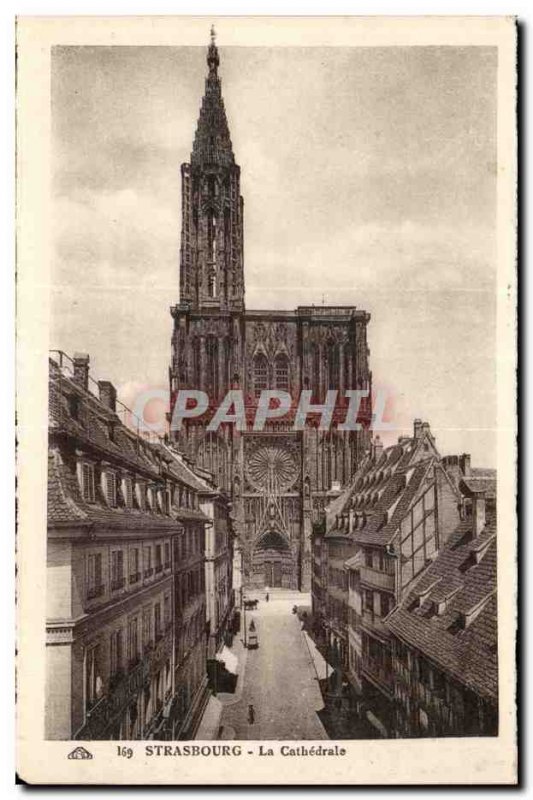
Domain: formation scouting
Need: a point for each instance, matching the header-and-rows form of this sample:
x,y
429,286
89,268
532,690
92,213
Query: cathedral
x,y
280,479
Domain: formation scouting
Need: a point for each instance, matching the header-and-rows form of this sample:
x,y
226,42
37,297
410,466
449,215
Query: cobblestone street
x,y
279,678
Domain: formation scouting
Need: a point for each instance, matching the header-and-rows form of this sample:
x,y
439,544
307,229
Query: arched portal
x,y
272,561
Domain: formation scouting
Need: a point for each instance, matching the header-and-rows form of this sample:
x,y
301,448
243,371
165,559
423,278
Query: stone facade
x,y
278,479
128,544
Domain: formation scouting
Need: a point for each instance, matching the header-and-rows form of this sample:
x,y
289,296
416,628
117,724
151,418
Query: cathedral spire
x,y
212,142
212,54
211,258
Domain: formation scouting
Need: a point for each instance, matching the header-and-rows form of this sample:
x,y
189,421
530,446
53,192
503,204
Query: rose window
x,y
272,469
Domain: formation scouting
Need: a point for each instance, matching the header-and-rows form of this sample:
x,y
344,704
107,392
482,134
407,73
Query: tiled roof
x,y
66,506
480,481
99,428
468,653
382,492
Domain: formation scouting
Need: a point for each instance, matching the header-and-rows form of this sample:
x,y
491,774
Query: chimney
x,y
426,431
464,463
81,370
107,394
478,513
377,448
417,429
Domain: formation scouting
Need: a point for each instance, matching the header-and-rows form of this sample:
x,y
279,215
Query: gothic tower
x,y
279,479
211,262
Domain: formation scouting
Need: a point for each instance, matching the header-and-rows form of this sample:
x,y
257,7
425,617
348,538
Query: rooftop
x,y
450,613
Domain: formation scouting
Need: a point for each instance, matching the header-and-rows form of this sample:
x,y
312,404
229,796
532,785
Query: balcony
x,y
158,569
167,565
148,573
95,591
114,703
376,579
374,623
378,674
135,577
118,583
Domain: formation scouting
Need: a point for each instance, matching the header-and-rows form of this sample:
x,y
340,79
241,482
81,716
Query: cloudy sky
x,y
369,178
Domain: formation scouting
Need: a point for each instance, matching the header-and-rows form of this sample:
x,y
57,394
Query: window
x,y
117,569
133,642
111,488
167,555
87,483
158,561
368,558
140,492
93,679
260,374
74,406
95,586
333,365
157,621
281,373
211,347
135,572
147,561
150,498
386,604
147,627
368,601
127,490
115,657
166,611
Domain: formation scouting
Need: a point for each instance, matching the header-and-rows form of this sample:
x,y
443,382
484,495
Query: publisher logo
x,y
80,753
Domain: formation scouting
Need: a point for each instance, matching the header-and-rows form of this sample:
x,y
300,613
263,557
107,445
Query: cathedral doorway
x,y
272,562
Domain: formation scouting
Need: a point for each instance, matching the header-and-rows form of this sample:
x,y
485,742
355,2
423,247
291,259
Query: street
x,y
279,677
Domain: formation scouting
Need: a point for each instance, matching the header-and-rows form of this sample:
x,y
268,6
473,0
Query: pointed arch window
x,y
260,374
212,367
197,366
281,372
333,365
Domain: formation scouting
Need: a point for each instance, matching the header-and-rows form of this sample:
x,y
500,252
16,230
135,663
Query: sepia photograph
x,y
274,477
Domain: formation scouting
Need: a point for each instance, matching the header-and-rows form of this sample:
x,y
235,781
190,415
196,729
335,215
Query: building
x,y
219,558
277,479
380,535
126,634
444,632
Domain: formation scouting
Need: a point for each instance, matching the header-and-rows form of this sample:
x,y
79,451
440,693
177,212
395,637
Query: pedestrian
x,y
266,597
251,714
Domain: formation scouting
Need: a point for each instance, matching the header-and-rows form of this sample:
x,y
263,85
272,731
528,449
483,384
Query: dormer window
x,y
74,406
466,618
111,488
87,482
127,491
423,594
140,495
150,498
